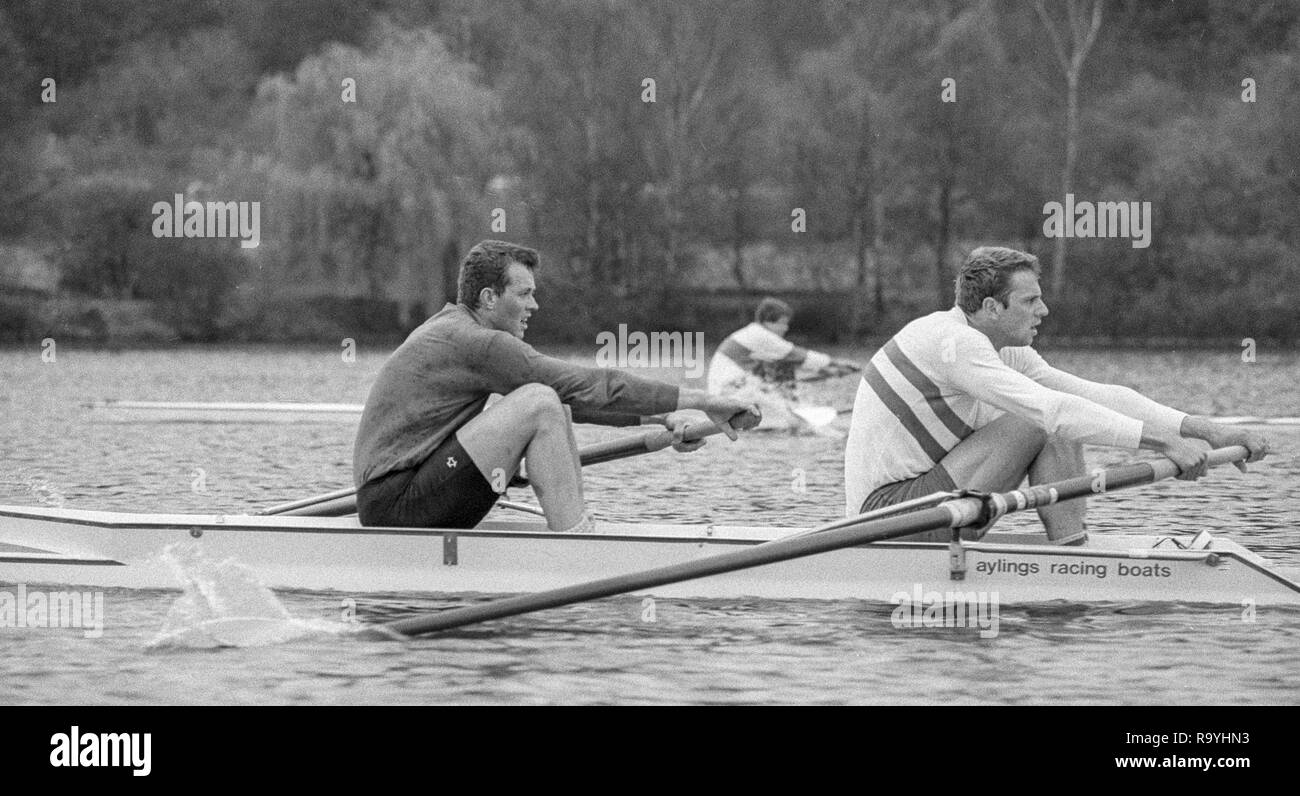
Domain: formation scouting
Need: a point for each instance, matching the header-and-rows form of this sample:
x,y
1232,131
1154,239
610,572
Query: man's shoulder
x,y
754,333
451,316
454,323
939,318
1021,357
451,333
943,328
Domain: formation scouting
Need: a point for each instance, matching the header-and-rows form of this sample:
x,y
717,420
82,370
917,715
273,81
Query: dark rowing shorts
x,y
446,490
937,480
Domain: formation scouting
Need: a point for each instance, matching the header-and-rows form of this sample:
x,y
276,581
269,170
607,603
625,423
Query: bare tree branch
x,y
1057,44
1081,51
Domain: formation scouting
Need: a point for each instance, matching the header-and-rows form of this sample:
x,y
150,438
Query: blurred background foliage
x,y
671,214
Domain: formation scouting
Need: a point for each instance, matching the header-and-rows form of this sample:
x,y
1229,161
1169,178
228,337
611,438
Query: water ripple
x,y
698,652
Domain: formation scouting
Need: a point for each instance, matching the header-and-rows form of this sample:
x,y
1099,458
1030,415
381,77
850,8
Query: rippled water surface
x,y
759,651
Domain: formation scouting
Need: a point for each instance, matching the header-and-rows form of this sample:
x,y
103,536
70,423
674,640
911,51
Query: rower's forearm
x,y
1198,428
1155,438
692,399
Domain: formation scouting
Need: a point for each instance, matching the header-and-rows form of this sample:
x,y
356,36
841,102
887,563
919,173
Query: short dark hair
x,y
987,272
771,310
487,265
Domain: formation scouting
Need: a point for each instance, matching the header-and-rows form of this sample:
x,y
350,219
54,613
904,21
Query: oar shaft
x,y
758,555
835,535
314,500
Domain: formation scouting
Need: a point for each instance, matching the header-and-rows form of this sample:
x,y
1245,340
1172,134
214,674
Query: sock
x,y
1073,539
585,525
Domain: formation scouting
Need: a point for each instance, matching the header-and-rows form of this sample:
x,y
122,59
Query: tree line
x,y
653,149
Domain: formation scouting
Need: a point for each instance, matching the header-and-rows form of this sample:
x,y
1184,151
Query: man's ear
x,y
486,298
991,304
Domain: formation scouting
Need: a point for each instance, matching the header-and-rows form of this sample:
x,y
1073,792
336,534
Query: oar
x,y
343,501
836,535
314,500
836,373
651,441
815,416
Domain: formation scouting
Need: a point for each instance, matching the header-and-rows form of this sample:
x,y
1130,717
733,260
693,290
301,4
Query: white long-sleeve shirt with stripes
x,y
938,380
740,356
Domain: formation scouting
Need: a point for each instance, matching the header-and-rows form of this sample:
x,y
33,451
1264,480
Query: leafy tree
x,y
369,192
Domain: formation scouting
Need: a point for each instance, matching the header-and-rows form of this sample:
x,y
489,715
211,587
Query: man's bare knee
x,y
1062,443
539,401
534,395
1062,448
1024,432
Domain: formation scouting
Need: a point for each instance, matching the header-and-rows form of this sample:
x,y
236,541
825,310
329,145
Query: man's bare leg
x,y
1061,458
997,457
531,422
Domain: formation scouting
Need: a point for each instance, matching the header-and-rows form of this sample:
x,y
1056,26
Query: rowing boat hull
x,y
121,550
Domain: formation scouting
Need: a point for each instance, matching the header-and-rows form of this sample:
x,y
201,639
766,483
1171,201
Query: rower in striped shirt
x,y
959,399
758,364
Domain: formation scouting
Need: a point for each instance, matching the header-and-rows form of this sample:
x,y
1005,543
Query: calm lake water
x,y
757,651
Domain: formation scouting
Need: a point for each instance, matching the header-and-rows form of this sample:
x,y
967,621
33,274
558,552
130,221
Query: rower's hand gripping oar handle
x,y
656,440
993,506
650,442
1233,454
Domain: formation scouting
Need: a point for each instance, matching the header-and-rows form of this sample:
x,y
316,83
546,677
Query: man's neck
x,y
975,324
473,313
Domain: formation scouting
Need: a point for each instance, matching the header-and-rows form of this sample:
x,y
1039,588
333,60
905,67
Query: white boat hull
x,y
121,550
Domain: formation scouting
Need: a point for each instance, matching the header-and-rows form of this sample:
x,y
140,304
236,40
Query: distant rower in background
x,y
758,364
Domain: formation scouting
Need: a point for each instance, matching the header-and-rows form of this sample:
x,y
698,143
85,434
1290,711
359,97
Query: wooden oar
x,y
836,535
343,501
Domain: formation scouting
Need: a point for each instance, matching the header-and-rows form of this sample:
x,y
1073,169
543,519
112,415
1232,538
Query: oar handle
x,y
1165,468
649,442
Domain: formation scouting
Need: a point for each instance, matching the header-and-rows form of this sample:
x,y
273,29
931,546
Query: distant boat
x,y
778,414
234,412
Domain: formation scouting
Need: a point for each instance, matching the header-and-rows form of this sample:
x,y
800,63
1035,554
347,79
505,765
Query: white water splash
x,y
225,605
43,490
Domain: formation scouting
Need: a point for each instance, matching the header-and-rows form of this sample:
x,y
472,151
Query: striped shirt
x,y
756,353
938,380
